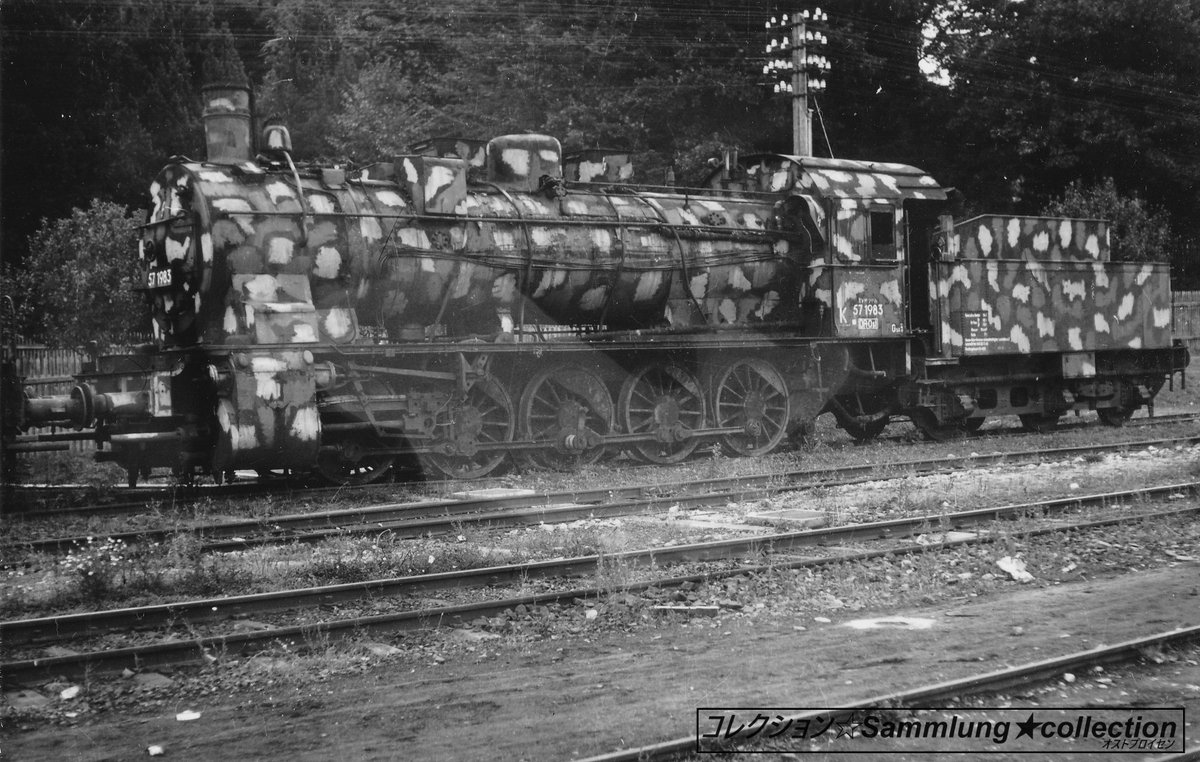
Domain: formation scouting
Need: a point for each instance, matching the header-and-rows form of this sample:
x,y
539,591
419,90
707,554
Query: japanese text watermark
x,y
1037,730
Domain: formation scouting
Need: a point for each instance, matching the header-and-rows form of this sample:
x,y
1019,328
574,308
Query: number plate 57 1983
x,y
159,278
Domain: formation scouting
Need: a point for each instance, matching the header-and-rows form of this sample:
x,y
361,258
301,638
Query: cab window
x,y
883,233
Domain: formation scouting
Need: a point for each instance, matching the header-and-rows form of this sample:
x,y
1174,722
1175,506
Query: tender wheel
x,y
937,431
353,466
667,402
1130,401
974,424
1039,423
485,415
567,410
752,395
862,419
1114,416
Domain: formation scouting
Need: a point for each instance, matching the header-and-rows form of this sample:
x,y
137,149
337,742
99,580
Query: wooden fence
x,y
48,372
1187,317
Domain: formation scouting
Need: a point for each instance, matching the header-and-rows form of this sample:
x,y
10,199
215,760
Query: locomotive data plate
x,y
162,277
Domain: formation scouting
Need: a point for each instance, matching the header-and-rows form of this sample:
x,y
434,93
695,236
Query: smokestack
x,y
227,123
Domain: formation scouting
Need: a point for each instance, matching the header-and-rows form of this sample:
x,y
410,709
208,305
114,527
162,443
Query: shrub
x,y
77,283
1139,234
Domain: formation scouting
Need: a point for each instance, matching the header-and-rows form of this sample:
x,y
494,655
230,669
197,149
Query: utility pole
x,y
799,70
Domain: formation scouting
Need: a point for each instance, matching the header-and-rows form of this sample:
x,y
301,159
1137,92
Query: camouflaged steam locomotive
x,y
474,303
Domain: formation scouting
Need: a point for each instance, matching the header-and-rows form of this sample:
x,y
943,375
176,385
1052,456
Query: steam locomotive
x,y
474,303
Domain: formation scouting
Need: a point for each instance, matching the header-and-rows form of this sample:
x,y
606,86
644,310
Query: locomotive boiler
x,y
471,303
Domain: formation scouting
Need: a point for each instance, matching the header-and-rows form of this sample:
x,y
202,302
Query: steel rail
x,y
58,628
440,516
989,682
148,495
550,514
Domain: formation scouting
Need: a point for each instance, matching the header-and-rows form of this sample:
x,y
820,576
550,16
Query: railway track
x,y
941,694
765,553
28,497
497,512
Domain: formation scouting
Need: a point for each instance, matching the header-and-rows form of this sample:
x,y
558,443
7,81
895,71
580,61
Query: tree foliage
x,y
874,106
1138,233
1049,92
1044,99
308,68
222,63
654,77
77,285
97,95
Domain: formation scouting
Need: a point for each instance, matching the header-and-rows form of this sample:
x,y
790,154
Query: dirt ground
x,y
612,689
600,686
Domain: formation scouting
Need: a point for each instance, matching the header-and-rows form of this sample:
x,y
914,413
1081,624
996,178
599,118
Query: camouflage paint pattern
x,y
1024,307
1045,239
211,223
599,166
273,309
435,185
472,151
841,178
857,272
522,162
427,252
485,256
586,257
227,121
867,303
267,411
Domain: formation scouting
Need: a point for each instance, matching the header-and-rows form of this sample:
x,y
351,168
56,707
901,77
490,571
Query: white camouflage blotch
x,y
306,426
985,240
1018,337
1073,290
1126,307
1074,339
279,252
1045,326
1065,229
